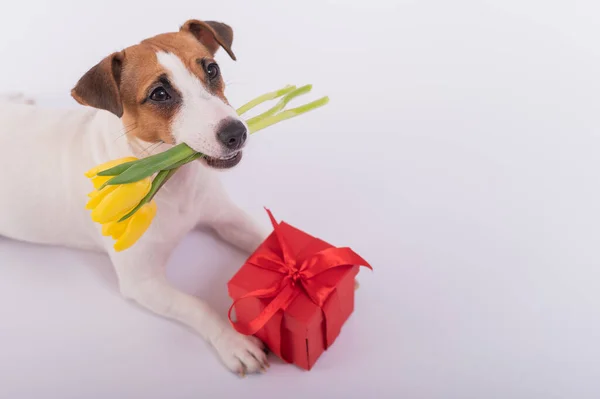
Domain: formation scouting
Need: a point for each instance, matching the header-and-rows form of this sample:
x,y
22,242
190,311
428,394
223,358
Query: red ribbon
x,y
295,279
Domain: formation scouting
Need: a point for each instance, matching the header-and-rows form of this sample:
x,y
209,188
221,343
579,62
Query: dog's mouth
x,y
226,162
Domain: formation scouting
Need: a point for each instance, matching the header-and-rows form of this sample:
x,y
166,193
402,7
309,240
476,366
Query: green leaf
x,y
148,166
117,170
189,159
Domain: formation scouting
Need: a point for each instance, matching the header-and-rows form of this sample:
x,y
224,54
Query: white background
x,y
459,154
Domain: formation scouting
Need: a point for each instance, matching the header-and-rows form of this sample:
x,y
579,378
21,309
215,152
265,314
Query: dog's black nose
x,y
232,133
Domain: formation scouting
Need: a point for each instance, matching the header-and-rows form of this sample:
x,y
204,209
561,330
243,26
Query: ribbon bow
x,y
295,279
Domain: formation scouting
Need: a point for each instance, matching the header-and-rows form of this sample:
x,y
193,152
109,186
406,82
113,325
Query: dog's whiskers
x,y
140,152
128,129
152,147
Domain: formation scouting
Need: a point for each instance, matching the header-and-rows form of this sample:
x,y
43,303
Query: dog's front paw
x,y
241,354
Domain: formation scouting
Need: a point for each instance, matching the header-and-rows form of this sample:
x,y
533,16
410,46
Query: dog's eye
x,y
212,70
159,94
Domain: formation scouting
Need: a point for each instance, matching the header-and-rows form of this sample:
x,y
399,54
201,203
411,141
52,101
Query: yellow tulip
x,y
112,202
98,181
97,196
107,165
120,201
136,226
106,228
115,229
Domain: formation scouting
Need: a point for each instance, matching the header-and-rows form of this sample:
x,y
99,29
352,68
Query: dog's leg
x,y
230,222
239,229
142,278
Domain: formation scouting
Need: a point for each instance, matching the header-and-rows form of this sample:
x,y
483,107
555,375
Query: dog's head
x,y
169,88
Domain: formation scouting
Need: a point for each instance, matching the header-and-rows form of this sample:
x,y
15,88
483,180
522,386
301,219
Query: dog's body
x,y
149,97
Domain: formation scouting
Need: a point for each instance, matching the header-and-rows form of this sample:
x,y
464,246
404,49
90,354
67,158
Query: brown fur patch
x,y
99,87
139,70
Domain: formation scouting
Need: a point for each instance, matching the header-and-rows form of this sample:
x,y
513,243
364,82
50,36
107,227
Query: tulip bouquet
x,y
122,200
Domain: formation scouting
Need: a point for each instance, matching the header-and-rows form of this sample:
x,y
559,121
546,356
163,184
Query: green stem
x,y
169,173
281,104
290,113
265,97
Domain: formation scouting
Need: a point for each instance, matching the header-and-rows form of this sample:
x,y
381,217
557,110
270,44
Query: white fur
x,y
44,154
197,120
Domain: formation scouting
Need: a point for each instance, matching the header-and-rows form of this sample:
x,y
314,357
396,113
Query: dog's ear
x,y
99,87
211,34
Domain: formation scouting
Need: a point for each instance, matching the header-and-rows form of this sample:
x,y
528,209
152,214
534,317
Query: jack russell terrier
x,y
164,91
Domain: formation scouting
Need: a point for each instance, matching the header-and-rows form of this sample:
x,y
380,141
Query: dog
x,y
164,91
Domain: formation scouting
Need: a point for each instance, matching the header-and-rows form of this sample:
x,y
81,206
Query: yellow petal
x,y
98,196
119,202
107,165
98,181
117,229
139,223
106,228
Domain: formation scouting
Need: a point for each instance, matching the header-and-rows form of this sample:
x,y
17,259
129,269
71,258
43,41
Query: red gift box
x,y
294,293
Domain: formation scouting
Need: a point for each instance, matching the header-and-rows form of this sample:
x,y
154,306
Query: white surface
x,y
458,155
